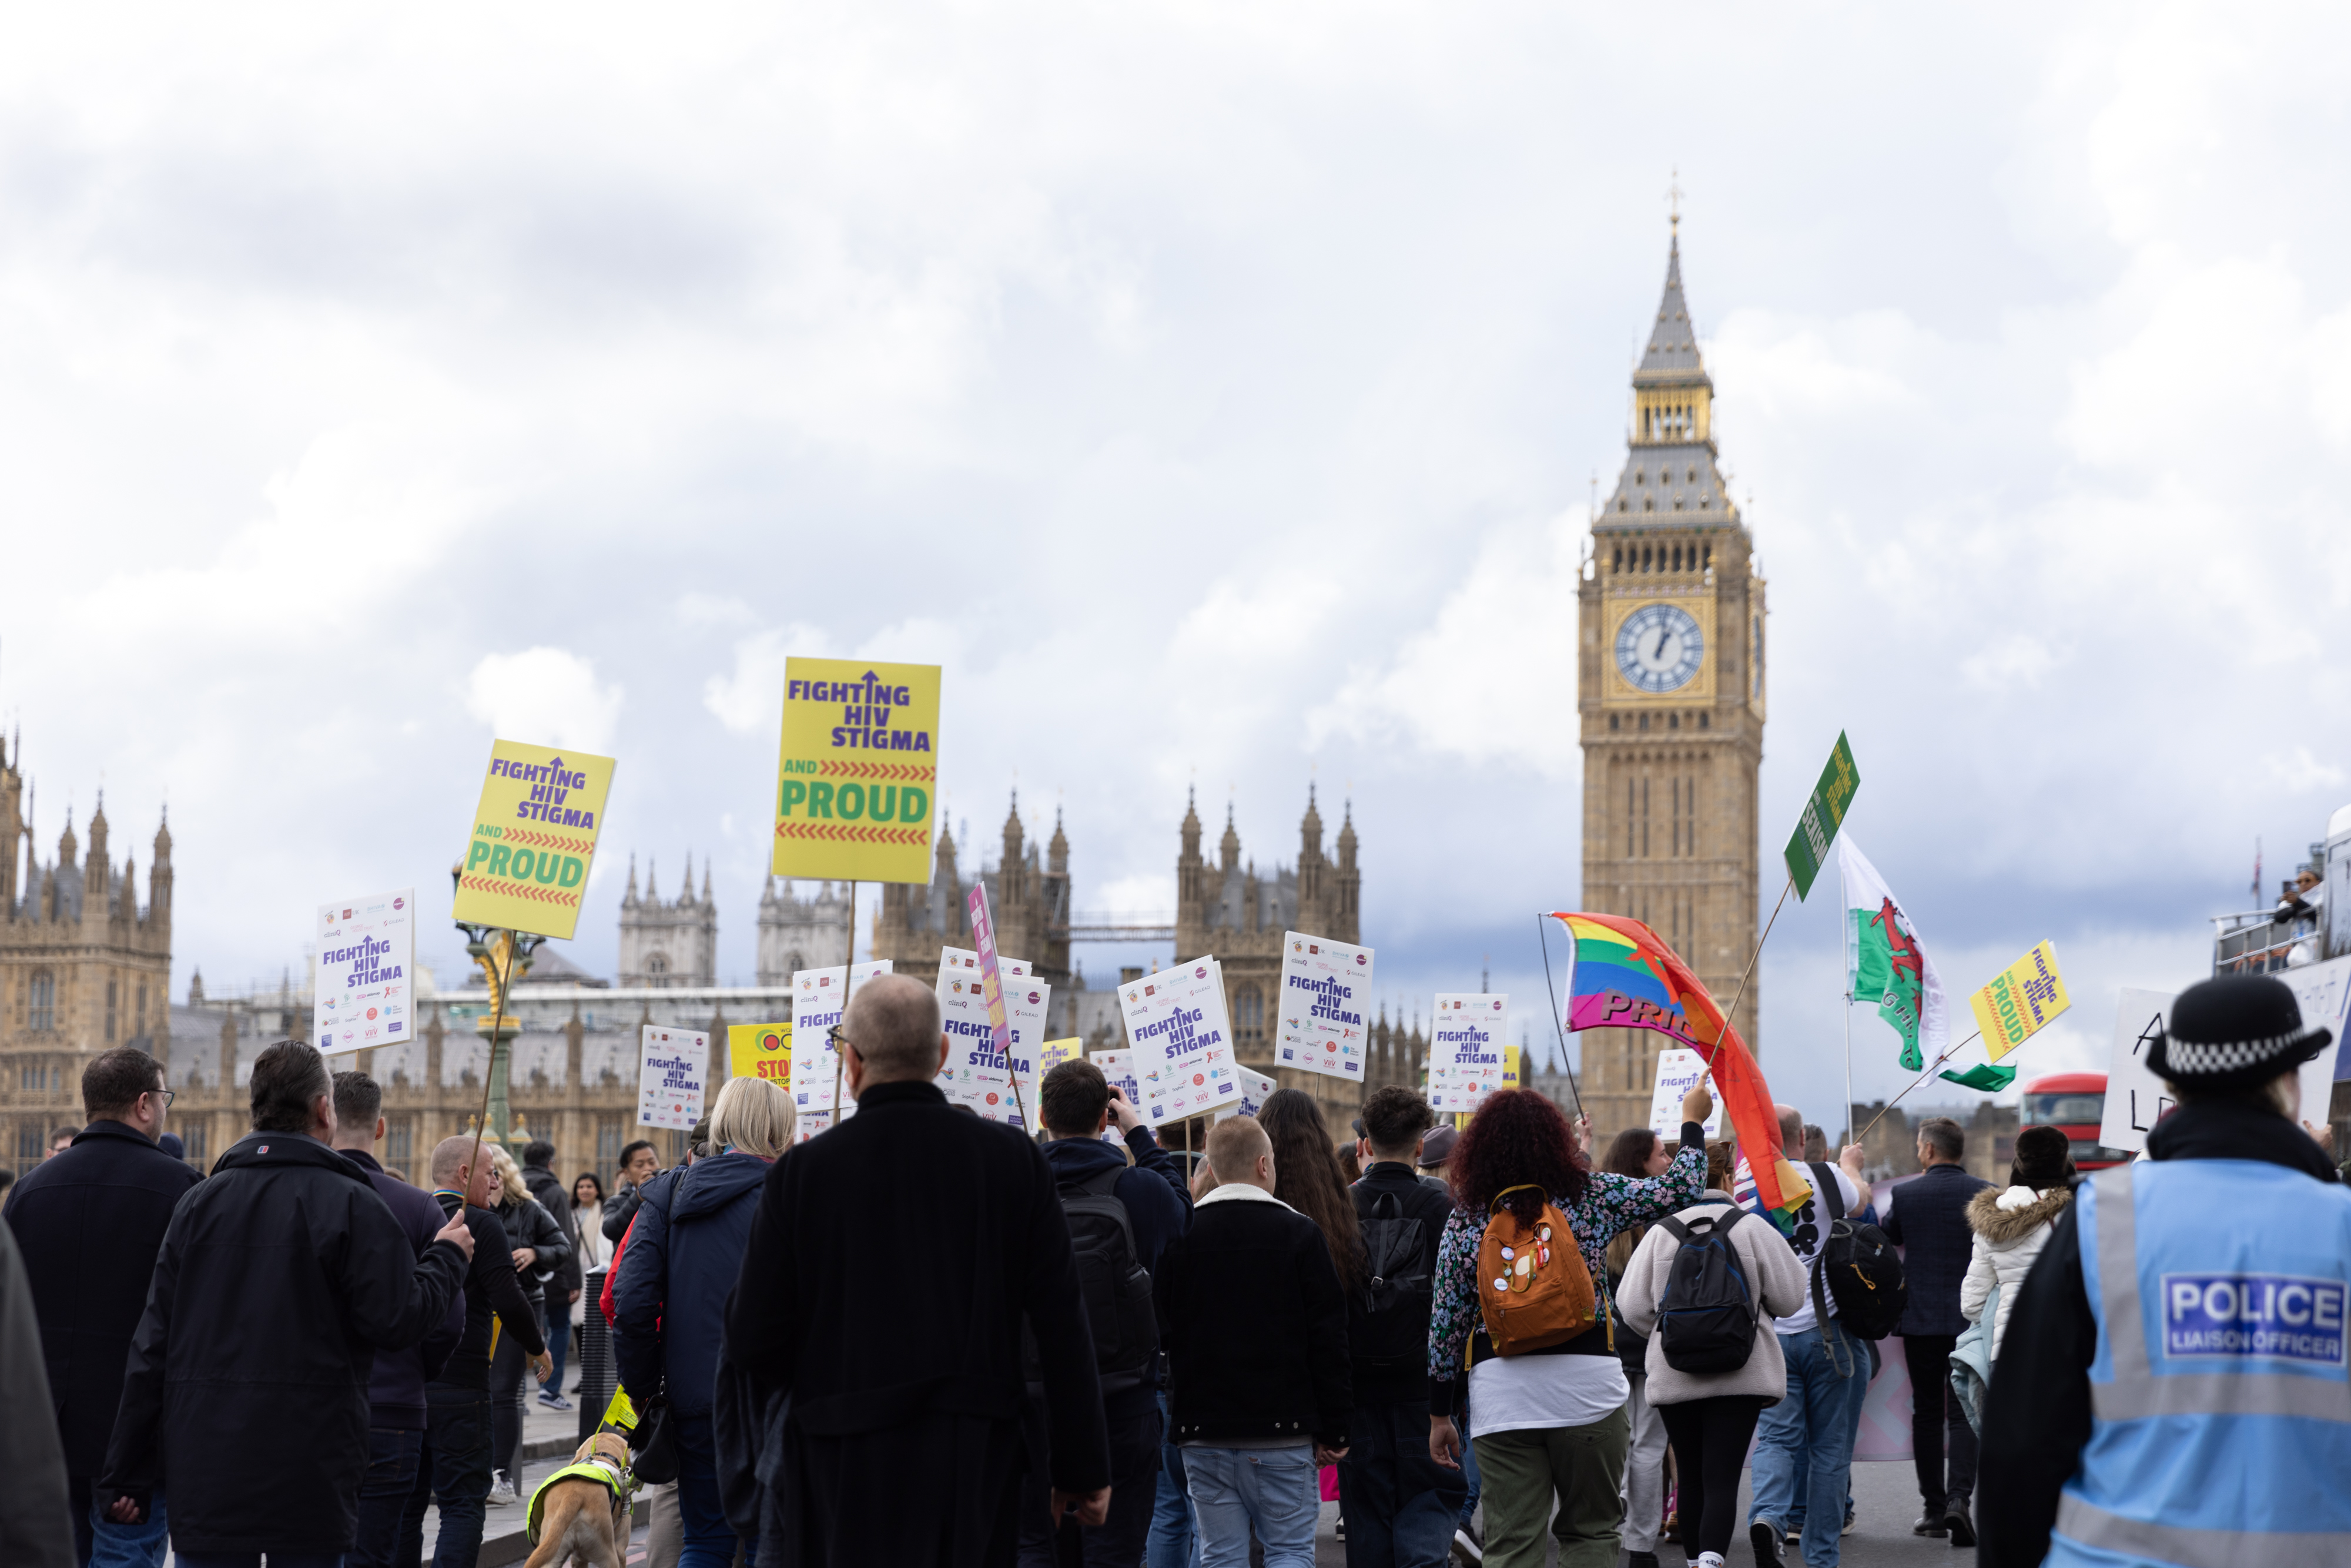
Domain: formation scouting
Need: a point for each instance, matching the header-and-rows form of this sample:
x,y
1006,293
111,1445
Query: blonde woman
x,y
670,1305
539,1251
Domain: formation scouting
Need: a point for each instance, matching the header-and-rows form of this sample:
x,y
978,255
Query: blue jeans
x,y
710,1540
1275,1491
252,1560
1399,1504
453,1466
1469,1473
1172,1543
384,1490
1804,1445
559,1334
1795,1520
113,1545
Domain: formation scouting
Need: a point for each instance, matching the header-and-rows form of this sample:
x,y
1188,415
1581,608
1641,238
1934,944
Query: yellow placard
x,y
534,838
1053,1052
761,1051
2020,1000
857,785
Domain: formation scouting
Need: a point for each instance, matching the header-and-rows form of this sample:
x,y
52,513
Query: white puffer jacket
x,y
2010,1228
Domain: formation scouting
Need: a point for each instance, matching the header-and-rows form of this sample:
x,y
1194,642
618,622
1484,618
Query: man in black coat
x,y
1077,1104
453,1466
1929,1220
89,1222
279,1279
890,1263
1399,1503
396,1391
1256,1329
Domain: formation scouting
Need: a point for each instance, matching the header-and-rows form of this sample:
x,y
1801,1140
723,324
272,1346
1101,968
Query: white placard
x,y
673,1064
1468,1050
1678,1071
1255,1087
359,985
1118,1067
1182,1039
974,1074
2136,1098
819,999
1318,1016
965,959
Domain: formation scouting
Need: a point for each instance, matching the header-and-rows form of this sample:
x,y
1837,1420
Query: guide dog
x,y
583,1522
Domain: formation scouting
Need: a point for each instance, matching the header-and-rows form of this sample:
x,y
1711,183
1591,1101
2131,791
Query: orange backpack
x,y
1533,1283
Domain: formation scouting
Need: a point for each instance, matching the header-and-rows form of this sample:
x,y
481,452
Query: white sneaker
x,y
501,1489
1466,1549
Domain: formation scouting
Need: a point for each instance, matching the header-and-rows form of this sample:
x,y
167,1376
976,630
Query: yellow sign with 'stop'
x,y
857,786
526,866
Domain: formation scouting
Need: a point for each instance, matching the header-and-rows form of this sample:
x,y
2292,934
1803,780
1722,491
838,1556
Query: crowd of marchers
x,y
923,1338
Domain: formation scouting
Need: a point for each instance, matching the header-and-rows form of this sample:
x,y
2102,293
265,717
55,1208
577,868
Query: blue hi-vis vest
x,y
2220,1392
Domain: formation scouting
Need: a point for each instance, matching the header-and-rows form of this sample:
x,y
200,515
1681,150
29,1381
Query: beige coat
x,y
1772,1269
2011,1228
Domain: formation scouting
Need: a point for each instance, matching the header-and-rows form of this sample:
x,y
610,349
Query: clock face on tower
x,y
1659,648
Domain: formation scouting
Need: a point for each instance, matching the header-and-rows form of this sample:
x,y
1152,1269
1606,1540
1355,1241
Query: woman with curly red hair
x,y
1550,1421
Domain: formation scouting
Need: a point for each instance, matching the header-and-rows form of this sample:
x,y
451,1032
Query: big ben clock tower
x,y
1670,692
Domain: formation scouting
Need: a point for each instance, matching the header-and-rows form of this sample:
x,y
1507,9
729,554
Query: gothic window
x,y
139,1010
1612,720
44,1010
1648,504
1677,558
1701,721
1249,1008
608,1142
112,986
400,1144
657,965
196,1138
28,1144
1706,559
1673,721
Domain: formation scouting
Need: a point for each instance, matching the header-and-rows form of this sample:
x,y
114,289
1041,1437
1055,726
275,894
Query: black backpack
x,y
1706,1319
1857,1266
1115,1287
1399,1285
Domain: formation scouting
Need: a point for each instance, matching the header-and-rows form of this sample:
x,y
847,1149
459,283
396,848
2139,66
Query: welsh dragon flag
x,y
1889,967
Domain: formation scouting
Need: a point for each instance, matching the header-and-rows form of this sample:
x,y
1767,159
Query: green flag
x,y
1816,825
1984,1075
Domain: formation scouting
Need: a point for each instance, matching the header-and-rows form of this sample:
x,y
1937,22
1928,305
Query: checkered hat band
x,y
2201,1060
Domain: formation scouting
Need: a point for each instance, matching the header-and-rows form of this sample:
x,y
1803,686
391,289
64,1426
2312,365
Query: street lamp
x,y
501,955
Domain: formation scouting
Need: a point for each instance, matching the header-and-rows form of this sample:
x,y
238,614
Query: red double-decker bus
x,y
2075,1104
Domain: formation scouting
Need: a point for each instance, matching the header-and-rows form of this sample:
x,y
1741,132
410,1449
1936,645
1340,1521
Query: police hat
x,y
2232,1031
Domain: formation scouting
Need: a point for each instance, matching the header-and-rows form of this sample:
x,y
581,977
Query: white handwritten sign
x,y
672,1067
2136,1097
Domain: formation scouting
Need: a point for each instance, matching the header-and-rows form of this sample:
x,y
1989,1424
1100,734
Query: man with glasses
x,y
90,1222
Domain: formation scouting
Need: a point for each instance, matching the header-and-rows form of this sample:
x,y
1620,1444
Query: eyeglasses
x,y
834,1038
167,1094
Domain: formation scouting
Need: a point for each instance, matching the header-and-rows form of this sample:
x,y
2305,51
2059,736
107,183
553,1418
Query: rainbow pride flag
x,y
1625,977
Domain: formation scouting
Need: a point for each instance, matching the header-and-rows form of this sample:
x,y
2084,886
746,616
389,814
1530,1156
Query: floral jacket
x,y
1611,1205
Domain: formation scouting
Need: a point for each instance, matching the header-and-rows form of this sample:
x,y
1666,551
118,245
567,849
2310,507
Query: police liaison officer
x,y
2174,1387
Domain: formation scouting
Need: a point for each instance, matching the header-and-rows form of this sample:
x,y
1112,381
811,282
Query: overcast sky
x,y
1216,391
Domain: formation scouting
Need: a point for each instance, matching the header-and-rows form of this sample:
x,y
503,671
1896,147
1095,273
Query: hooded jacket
x,y
1771,1271
1158,1205
246,1393
88,1223
684,1255
528,1224
2012,1226
396,1391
